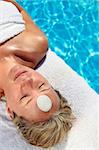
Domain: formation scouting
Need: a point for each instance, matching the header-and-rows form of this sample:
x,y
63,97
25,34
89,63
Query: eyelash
x,y
41,85
23,97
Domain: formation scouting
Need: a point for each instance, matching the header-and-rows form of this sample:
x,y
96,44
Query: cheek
x,y
14,105
11,93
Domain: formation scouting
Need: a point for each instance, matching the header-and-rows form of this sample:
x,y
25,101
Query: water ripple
x,y
72,27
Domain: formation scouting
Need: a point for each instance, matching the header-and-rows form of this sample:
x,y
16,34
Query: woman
x,y
41,113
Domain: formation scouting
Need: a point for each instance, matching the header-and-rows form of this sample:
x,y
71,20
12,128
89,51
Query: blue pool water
x,y
72,30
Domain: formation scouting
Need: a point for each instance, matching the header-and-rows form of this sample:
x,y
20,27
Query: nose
x,y
28,82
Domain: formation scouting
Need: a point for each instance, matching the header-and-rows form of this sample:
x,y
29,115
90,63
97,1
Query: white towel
x,y
84,101
11,21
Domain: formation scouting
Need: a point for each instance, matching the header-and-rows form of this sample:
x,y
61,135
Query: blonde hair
x,y
48,133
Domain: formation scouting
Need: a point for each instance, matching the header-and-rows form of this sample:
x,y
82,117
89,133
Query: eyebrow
x,y
28,101
45,89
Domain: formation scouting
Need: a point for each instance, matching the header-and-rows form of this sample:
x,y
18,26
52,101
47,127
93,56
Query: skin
x,y
23,51
28,47
26,89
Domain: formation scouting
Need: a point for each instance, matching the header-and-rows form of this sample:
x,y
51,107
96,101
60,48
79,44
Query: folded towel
x,y
11,21
84,101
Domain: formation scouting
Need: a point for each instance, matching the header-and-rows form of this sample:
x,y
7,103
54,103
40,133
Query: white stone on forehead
x,y
44,103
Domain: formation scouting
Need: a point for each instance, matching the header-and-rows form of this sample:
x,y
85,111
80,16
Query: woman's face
x,y
23,87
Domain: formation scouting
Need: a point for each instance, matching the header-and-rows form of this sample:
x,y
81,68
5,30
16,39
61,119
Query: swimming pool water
x,y
72,30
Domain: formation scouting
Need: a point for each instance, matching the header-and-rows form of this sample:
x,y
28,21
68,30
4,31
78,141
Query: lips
x,y
18,74
17,71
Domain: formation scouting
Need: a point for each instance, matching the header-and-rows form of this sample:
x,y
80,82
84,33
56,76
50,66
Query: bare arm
x,y
30,24
33,37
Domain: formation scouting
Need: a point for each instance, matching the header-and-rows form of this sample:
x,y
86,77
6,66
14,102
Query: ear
x,y
10,112
1,93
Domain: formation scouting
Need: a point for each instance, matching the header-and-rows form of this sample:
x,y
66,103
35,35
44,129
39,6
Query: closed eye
x,y
44,87
27,100
41,85
23,97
